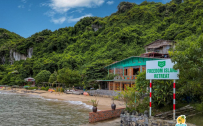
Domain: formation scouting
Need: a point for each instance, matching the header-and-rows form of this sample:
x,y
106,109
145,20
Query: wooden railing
x,y
125,77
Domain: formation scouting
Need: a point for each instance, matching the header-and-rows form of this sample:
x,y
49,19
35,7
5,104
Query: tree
x,y
177,1
68,77
189,60
96,70
53,77
43,76
123,6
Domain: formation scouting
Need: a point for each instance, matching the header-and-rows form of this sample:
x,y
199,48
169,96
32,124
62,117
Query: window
x,y
168,47
135,71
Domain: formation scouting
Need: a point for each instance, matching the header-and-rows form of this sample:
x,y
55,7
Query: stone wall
x,y
104,115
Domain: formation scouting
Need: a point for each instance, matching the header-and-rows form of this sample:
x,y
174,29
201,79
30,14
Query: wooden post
x,y
140,68
113,85
120,86
108,71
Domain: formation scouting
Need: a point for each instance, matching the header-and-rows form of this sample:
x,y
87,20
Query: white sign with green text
x,y
161,70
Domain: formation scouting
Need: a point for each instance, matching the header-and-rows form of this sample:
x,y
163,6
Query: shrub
x,y
57,89
43,88
143,106
129,96
61,89
47,88
162,94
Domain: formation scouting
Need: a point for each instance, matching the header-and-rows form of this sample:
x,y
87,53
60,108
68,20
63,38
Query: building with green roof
x,y
127,69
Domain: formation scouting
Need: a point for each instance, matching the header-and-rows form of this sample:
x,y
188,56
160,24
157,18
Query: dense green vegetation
x,y
96,42
42,76
162,90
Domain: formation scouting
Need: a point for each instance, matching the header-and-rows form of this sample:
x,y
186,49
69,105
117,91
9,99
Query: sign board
x,y
161,70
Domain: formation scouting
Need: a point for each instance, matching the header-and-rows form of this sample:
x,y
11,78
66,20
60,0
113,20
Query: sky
x,y
26,17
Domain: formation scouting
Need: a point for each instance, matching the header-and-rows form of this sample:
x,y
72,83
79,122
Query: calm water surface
x,y
28,110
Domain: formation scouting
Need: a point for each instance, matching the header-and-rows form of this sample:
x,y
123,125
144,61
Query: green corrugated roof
x,y
132,57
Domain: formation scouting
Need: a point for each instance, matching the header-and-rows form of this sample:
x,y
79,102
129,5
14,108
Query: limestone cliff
x,y
15,56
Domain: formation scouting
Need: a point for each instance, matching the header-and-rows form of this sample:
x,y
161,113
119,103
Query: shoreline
x,y
104,103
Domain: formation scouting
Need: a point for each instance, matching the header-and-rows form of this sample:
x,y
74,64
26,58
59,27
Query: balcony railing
x,y
125,77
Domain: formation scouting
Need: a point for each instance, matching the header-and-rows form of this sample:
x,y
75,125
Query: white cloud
x,y
50,13
110,2
21,6
62,6
71,19
43,4
59,20
24,1
68,19
59,8
78,10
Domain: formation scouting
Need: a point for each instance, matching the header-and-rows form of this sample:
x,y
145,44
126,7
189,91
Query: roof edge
x,y
132,57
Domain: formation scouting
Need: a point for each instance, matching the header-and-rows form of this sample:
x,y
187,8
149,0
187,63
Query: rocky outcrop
x,y
30,52
3,59
96,27
15,56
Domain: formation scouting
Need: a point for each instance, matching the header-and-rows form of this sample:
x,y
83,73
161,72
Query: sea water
x,y
29,110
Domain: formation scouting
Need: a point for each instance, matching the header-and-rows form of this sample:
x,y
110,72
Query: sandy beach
x,y
104,103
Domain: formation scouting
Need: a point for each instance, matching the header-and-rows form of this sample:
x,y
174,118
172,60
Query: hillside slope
x,y
95,42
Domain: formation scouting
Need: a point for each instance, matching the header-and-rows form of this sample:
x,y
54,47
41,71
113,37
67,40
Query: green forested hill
x,y
7,39
7,36
95,42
